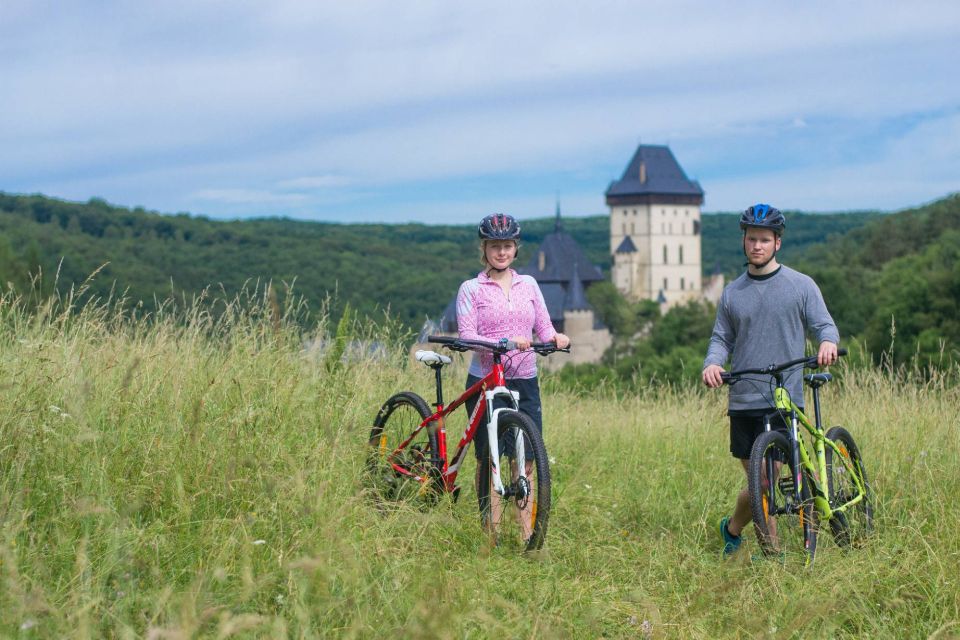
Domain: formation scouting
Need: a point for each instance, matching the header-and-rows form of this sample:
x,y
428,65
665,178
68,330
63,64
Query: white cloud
x,y
289,103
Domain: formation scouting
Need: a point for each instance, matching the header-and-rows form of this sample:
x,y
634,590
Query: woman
x,y
500,303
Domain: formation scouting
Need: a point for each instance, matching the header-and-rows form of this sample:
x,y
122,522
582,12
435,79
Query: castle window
x,y
696,227
624,228
681,260
665,287
683,283
664,255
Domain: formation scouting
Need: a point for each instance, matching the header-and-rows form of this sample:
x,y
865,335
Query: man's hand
x,y
711,376
562,341
827,354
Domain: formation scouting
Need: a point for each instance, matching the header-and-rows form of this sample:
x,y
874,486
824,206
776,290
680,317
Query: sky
x,y
441,112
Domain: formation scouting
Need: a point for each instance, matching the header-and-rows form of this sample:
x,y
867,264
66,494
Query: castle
x,y
655,229
654,248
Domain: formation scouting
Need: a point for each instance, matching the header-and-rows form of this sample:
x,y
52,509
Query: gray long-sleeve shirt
x,y
762,321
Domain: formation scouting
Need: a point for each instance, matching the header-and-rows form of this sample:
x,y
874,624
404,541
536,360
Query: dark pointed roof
x,y
563,258
654,175
626,246
576,300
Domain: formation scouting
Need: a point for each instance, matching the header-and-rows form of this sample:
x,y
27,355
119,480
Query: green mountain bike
x,y
792,493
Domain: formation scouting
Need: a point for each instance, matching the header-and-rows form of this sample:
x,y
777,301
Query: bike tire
x,y
853,526
525,523
784,528
397,419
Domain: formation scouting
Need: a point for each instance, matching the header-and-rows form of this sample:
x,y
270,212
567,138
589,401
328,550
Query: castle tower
x,y
655,229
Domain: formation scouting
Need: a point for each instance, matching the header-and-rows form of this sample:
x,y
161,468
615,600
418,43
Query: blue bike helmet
x,y
763,216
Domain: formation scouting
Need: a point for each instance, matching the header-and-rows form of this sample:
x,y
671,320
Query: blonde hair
x,y
483,249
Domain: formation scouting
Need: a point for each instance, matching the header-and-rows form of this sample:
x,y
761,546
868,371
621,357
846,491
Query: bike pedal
x,y
456,493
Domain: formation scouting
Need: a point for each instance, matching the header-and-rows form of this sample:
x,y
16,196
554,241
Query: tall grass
x,y
198,473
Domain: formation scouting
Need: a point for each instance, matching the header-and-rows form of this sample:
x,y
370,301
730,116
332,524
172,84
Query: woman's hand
x,y
562,341
522,343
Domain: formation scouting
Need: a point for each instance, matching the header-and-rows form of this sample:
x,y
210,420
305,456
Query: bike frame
x,y
490,387
802,459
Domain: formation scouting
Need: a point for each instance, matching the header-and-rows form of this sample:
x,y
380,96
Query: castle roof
x,y
575,299
563,259
654,175
626,246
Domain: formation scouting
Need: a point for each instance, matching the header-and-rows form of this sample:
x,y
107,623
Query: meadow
x,y
198,472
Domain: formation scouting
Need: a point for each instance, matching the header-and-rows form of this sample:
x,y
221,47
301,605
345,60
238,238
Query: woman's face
x,y
500,253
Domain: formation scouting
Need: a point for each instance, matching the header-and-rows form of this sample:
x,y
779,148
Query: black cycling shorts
x,y
745,427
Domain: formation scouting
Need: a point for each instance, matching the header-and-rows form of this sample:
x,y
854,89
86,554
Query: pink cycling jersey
x,y
486,312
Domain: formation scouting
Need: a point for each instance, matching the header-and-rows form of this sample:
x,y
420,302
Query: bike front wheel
x,y
850,527
411,471
519,516
784,518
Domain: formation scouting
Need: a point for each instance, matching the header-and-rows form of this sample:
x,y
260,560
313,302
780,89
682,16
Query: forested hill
x,y
412,268
895,282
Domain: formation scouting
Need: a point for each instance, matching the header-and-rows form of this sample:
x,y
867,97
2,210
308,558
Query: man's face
x,y
760,245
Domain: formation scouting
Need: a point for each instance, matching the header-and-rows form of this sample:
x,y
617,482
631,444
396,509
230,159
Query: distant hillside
x,y
412,268
896,281
722,244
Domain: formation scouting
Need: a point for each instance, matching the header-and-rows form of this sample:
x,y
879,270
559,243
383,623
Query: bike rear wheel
x,y
852,526
414,471
520,516
785,526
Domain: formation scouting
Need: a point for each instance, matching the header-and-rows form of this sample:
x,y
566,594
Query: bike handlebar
x,y
501,347
809,362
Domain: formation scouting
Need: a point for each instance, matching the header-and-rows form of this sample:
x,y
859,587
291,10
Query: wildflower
x,y
259,542
28,624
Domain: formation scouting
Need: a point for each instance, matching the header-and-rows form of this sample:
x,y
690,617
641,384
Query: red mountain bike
x,y
409,447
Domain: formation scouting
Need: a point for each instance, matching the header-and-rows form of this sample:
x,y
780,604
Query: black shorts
x,y
529,390
745,427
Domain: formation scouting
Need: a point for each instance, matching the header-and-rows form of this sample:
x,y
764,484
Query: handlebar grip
x,y
441,339
841,351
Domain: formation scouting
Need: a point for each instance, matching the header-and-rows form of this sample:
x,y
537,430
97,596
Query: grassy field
x,y
182,476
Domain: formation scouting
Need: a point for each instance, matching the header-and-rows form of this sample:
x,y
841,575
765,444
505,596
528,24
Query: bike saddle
x,y
816,380
431,358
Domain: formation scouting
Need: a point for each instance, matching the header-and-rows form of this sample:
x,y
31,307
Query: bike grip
x,y
441,339
841,351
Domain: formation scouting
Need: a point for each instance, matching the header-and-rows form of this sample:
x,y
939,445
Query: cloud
x,y
321,108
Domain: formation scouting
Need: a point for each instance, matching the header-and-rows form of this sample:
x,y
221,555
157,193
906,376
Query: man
x,y
762,318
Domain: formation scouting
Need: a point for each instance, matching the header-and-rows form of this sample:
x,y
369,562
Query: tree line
x,y
891,281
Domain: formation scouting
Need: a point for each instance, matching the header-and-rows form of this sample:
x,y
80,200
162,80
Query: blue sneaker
x,y
730,542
